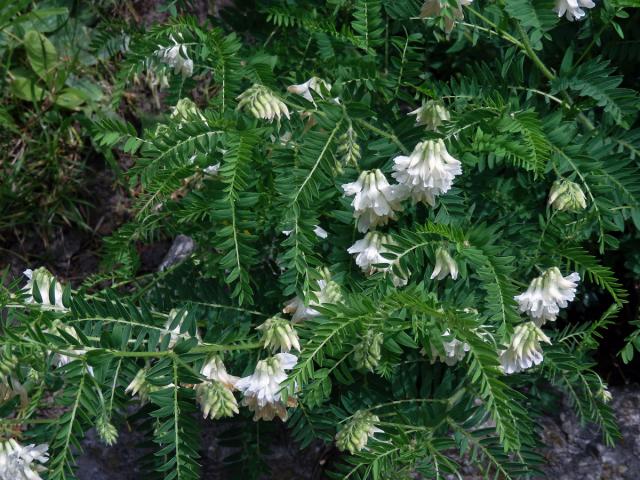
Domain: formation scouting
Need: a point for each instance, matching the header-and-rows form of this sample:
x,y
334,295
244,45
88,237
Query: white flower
x,y
262,389
369,252
454,349
445,265
176,57
19,462
431,114
524,350
547,294
328,292
212,169
43,278
214,369
320,232
428,172
174,333
375,201
571,9
262,103
304,89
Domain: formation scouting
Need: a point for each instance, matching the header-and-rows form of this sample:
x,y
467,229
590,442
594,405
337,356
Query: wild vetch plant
x,y
399,212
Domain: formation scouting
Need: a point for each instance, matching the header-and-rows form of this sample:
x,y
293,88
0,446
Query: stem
x,y
382,133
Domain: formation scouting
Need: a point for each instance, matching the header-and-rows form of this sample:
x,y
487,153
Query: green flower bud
x,y
567,196
357,431
367,353
431,114
262,103
186,109
216,400
106,431
278,333
348,148
139,386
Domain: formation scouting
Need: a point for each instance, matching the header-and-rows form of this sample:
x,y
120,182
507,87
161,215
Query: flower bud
x,y
216,400
278,333
604,394
368,352
357,431
431,114
567,196
262,103
348,148
139,386
106,431
186,109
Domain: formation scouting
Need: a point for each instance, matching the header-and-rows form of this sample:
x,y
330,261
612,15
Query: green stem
x,y
384,134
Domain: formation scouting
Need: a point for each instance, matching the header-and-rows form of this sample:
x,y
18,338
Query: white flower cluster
x,y
43,279
547,294
369,256
375,200
215,394
524,350
19,462
262,389
572,9
176,57
279,334
428,172
431,114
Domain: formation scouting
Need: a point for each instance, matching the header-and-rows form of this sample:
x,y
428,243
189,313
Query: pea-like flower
x,y
369,257
573,9
262,103
445,265
428,172
43,279
18,462
375,200
279,334
214,369
304,89
567,196
328,292
356,433
437,8
262,389
454,350
431,114
547,294
524,350
176,56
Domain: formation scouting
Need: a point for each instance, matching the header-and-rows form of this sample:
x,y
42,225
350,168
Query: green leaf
x,y
42,54
26,89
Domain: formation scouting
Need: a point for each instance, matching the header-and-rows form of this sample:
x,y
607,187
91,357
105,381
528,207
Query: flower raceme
x,y
355,435
369,256
428,172
279,334
176,56
215,394
547,294
431,114
19,462
572,9
328,292
262,103
375,200
524,350
567,196
262,389
454,349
